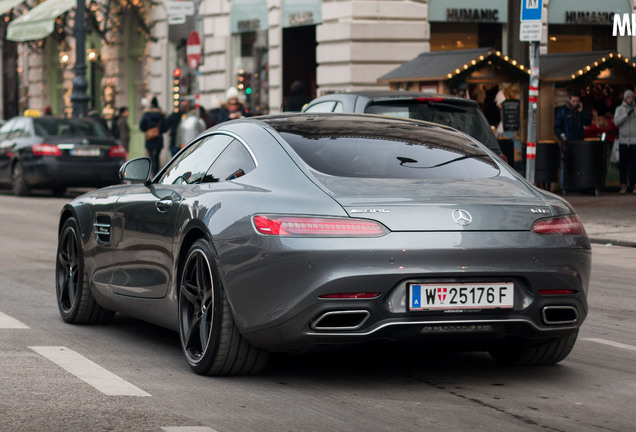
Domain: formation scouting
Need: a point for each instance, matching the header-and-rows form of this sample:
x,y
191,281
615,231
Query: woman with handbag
x,y
153,125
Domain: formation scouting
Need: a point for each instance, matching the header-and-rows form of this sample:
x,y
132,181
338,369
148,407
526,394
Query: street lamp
x,y
79,97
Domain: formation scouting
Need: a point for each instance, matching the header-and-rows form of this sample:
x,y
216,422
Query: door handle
x,y
163,205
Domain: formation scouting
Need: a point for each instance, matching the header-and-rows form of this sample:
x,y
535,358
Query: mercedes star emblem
x,y
462,217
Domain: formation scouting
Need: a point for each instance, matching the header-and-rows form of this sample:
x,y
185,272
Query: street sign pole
x,y
530,30
533,99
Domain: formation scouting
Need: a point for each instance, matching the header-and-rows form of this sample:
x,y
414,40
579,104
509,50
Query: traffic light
x,y
244,82
176,89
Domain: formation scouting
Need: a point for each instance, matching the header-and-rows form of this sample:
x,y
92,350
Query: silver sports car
x,y
305,231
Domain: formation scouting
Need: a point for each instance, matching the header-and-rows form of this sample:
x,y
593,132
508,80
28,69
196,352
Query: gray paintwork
x,y
273,283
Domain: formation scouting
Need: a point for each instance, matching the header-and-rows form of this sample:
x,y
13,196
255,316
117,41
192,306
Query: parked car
x,y
57,153
459,113
303,231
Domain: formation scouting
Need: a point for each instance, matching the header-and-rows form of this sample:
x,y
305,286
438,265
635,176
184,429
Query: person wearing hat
x,y
233,108
153,125
625,120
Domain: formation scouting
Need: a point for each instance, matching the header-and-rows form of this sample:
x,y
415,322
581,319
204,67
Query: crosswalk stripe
x,y
612,343
6,322
88,371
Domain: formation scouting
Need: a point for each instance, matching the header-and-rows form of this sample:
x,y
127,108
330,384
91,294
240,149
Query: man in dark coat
x,y
571,119
154,117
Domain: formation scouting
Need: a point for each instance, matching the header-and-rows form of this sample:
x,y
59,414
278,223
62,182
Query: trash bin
x,y
584,165
546,169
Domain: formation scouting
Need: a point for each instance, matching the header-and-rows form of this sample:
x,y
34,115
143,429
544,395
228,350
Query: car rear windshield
x,y
463,118
68,127
381,148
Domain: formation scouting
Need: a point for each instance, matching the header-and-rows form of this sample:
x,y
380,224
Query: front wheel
x,y
209,337
546,353
74,298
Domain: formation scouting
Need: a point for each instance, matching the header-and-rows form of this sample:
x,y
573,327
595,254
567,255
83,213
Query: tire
x,y
546,353
210,340
18,184
74,298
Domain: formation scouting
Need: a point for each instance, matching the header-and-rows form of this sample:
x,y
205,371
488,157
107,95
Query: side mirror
x,y
136,170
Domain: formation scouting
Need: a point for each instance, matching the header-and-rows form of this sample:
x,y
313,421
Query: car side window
x,y
20,128
322,107
191,165
5,130
234,162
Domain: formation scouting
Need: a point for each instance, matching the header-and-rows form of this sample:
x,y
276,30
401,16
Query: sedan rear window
x,y
463,118
52,126
391,150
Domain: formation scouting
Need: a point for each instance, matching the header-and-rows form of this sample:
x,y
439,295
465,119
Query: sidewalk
x,y
609,218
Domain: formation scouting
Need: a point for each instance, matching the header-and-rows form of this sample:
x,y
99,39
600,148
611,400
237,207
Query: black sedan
x,y
57,153
306,231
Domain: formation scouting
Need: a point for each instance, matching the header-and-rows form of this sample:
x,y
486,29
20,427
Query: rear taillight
x,y
299,226
566,225
117,151
46,150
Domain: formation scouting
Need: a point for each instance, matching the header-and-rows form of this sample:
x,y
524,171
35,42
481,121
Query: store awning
x,y
39,22
586,65
446,65
249,16
7,5
301,13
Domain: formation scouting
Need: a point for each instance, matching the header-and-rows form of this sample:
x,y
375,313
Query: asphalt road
x,y
130,376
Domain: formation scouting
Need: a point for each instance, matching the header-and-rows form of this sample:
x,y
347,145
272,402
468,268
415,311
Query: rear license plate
x,y
84,151
459,296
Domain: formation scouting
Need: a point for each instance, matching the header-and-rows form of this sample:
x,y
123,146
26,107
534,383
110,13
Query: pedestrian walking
x,y
191,126
298,99
153,125
569,124
233,108
123,130
172,123
625,120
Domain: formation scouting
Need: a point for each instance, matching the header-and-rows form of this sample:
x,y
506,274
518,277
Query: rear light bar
x,y
556,292
45,150
117,151
566,225
429,99
304,226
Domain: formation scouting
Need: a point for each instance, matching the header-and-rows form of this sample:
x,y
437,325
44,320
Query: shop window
x,y
581,38
454,36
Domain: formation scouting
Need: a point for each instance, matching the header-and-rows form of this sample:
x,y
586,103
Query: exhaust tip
x,y
341,320
554,315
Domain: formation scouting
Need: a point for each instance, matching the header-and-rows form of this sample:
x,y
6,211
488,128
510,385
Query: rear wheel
x,y
19,185
210,339
545,353
74,299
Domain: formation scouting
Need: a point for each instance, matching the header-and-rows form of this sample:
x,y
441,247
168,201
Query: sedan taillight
x,y
300,226
117,151
43,149
566,225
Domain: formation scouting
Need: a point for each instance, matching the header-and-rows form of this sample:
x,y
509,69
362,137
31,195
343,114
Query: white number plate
x,y
491,295
78,151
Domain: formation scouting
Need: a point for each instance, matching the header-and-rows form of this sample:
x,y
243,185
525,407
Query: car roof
x,y
380,95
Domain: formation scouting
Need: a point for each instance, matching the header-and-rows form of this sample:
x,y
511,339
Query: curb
x,y
612,242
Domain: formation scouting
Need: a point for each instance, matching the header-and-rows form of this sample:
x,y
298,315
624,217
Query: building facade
x,y
262,47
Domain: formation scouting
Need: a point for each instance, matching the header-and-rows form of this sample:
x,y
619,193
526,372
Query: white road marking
x,y
188,429
88,371
612,343
6,322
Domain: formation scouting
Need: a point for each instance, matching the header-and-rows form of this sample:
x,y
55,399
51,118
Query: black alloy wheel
x,y
74,299
209,337
18,183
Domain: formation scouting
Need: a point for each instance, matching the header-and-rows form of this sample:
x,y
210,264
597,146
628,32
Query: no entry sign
x,y
193,50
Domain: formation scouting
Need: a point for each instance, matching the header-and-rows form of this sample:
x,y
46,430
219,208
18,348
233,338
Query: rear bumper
x,y
51,172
